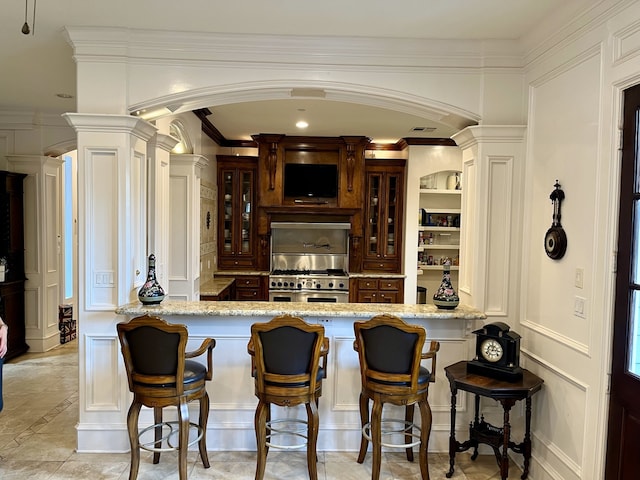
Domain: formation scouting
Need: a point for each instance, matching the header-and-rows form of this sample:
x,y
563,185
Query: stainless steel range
x,y
308,262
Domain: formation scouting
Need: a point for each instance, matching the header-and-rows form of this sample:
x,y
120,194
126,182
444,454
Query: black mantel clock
x,y
497,353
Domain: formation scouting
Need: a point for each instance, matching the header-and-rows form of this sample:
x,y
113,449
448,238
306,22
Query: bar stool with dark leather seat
x,y
160,375
288,364
390,354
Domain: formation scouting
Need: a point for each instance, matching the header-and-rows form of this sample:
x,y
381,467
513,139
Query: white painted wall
x,y
574,112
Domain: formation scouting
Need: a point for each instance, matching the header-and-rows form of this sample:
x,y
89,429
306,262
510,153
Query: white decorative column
x,y
43,226
184,226
492,206
112,242
158,150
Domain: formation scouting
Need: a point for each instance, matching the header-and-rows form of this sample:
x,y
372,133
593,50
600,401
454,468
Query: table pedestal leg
x,y
453,445
526,444
504,458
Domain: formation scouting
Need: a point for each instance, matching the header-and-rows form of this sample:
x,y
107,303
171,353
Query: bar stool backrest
x,y
390,352
154,354
287,355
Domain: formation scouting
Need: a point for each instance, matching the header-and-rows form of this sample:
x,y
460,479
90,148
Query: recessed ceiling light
x,y
302,124
64,95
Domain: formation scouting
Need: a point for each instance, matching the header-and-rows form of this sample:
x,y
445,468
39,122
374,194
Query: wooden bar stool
x,y
288,363
160,375
390,354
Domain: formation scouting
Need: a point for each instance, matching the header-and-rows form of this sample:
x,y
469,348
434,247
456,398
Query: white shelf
x,y
425,228
452,211
439,191
435,267
422,248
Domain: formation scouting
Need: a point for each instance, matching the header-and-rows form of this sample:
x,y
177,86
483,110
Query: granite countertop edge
x,y
350,310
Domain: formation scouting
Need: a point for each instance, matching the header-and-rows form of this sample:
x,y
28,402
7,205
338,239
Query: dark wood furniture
x,y
237,238
288,362
481,432
390,354
384,210
376,290
12,306
218,290
248,287
160,375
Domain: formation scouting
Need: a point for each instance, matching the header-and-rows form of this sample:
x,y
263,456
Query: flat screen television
x,y
310,180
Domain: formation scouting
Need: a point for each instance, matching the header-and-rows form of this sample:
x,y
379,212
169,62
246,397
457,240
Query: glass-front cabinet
x,y
236,212
384,198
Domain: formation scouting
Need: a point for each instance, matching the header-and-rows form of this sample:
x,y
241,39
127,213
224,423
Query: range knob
x,y
341,285
279,284
273,284
299,285
285,284
318,285
330,284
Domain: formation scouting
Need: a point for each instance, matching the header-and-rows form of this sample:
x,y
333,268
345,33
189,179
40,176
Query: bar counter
x,y
302,309
230,425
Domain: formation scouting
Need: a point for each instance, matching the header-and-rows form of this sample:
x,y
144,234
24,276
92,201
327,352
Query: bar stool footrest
x,y
172,432
392,426
291,430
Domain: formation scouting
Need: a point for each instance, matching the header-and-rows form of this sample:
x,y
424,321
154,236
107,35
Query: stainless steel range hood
x,y
309,245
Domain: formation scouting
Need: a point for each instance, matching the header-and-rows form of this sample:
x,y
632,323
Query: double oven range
x,y
308,262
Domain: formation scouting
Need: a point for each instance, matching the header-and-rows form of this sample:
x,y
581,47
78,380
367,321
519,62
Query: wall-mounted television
x,y
310,180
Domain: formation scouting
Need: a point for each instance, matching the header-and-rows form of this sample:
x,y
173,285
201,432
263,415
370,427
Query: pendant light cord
x,y
33,22
25,27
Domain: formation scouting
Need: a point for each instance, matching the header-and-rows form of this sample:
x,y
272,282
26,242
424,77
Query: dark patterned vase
x,y
446,297
151,293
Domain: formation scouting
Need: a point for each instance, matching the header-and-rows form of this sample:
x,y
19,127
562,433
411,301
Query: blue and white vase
x,y
151,293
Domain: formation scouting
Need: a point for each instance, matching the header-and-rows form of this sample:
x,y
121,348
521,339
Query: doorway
x,y
622,460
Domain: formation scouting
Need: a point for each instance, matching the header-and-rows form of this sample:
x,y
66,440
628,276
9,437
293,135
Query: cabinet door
x,y
236,214
373,214
384,214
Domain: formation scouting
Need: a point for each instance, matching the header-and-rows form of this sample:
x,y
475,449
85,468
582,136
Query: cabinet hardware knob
x,y
137,272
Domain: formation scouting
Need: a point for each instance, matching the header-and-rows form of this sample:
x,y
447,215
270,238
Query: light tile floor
x,y
38,438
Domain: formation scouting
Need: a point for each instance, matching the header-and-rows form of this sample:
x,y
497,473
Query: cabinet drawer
x,y
380,266
390,284
235,262
248,294
248,282
370,284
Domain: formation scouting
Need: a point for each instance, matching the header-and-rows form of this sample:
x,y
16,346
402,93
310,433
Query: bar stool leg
x,y
157,431
364,419
376,438
183,419
132,426
262,413
203,419
312,439
425,432
408,418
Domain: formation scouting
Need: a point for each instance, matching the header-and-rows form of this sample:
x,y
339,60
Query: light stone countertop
x,y
215,286
349,310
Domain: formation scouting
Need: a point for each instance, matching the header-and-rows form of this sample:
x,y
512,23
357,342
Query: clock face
x,y
491,350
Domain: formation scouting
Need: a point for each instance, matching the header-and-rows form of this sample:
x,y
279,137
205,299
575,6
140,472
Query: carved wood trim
x,y
351,164
272,162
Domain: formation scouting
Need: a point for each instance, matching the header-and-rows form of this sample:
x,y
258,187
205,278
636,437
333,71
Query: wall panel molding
x,y
557,337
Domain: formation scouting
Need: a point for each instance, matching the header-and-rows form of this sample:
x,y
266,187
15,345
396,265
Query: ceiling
x,y
38,67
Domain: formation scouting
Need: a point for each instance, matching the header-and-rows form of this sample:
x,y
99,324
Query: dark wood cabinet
x,y
249,287
376,290
237,238
12,308
384,204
